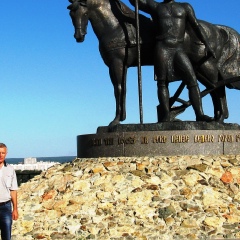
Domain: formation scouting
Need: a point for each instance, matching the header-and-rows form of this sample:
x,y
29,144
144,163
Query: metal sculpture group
x,y
175,42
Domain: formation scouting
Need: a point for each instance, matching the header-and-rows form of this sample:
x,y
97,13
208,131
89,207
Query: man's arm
x,y
198,29
144,5
13,194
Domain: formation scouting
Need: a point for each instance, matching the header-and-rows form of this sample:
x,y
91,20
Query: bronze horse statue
x,y
115,27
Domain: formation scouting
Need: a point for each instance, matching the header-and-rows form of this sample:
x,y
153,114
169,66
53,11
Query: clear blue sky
x,y
53,89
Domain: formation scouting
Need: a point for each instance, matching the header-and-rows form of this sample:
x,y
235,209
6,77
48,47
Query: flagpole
x,y
139,62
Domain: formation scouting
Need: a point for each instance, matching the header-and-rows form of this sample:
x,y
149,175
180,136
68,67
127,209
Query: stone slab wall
x,y
148,198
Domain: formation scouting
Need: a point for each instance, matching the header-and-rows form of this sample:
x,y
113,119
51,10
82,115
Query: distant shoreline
x,y
62,159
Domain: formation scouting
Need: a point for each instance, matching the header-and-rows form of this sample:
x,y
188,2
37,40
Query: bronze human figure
x,y
114,25
170,19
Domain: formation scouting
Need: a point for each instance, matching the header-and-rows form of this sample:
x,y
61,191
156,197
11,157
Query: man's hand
x,y
15,215
14,203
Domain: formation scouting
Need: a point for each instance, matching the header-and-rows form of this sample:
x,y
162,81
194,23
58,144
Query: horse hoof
x,y
113,124
220,120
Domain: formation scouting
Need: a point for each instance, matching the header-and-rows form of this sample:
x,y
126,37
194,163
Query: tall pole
x,y
139,62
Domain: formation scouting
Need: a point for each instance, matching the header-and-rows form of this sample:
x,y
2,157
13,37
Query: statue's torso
x,y
170,22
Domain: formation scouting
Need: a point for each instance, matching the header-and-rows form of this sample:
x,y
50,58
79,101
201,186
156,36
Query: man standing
x,y
8,195
170,20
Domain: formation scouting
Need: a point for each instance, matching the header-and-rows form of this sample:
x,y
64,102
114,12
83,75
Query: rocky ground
x,y
147,198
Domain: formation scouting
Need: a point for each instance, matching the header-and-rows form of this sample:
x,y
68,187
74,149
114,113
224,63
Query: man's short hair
x,y
2,145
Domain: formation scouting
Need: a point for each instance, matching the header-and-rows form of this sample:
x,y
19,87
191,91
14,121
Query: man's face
x,y
3,154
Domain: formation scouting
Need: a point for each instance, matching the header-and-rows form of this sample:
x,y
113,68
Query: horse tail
x,y
228,63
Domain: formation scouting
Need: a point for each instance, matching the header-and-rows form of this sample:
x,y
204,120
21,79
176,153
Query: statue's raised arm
x,y
145,5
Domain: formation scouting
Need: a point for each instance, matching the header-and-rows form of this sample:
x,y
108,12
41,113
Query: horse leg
x,y
224,101
117,72
210,73
220,104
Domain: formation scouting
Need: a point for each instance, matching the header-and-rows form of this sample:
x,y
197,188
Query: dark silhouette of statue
x,y
174,42
170,19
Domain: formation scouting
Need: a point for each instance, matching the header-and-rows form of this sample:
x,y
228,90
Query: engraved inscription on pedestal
x,y
153,143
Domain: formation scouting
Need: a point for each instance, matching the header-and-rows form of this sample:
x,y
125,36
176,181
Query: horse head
x,y
79,15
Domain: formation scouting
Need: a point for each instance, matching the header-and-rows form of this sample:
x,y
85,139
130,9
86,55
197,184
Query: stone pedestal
x,y
166,139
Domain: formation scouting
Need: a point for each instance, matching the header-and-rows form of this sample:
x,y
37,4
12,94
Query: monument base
x,y
161,139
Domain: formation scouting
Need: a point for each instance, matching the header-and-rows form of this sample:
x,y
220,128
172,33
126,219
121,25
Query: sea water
x,y
62,159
